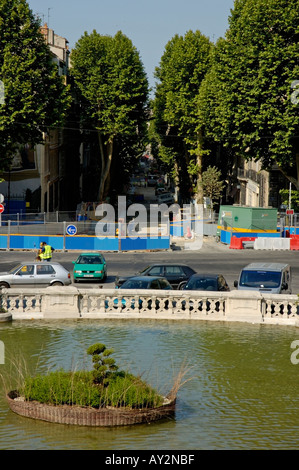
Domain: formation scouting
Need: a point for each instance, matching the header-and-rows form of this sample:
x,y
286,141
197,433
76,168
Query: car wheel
x,y
4,284
182,285
57,283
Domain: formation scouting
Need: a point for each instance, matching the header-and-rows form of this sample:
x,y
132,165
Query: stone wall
x,y
72,302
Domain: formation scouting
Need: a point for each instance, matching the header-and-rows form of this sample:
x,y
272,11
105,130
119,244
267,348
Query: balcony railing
x,y
249,174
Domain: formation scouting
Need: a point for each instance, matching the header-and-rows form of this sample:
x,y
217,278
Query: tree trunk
x,y
294,181
176,178
199,158
199,189
106,152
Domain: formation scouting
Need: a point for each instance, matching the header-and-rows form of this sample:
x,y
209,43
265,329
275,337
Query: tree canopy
x,y
114,90
35,97
182,68
256,65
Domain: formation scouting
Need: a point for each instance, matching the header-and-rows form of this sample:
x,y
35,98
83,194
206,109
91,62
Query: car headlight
x,y
78,272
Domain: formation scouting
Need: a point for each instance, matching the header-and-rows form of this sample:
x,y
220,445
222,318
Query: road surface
x,y
211,258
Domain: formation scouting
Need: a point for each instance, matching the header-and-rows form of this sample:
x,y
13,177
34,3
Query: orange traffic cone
x,y
188,234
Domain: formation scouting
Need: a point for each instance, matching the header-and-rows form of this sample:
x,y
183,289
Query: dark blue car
x,y
174,273
205,282
208,282
143,282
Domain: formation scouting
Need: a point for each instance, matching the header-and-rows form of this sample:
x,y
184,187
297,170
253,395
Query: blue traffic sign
x,y
71,229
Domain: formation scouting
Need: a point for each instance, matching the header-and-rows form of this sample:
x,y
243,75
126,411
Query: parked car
x,y
165,198
174,273
265,277
208,282
90,266
37,273
204,282
160,190
146,282
143,282
152,181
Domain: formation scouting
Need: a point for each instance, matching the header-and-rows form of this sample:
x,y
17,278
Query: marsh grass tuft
x,y
104,386
180,379
78,388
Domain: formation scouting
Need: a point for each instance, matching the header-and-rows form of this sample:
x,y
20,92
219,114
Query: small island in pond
x,y
104,396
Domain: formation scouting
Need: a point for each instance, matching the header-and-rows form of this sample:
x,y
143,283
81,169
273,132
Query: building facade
x,y
254,187
33,180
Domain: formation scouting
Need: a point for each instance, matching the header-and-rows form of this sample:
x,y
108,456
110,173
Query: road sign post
x,y
71,230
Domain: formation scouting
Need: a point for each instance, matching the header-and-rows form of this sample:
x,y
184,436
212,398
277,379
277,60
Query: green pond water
x,y
243,392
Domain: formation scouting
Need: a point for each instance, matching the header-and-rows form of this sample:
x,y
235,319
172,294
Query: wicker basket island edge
x,y
81,416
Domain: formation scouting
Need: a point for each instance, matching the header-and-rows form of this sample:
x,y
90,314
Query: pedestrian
x,y
46,252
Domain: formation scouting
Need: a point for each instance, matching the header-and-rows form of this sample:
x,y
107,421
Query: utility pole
x,y
49,16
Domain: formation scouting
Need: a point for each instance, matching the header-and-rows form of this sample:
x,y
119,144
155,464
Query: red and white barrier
x,y
237,243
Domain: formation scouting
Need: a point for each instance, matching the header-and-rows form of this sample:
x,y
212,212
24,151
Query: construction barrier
x,y
88,242
289,242
226,236
294,242
236,243
265,243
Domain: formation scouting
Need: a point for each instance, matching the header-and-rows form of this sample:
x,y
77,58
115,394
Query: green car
x,y
90,266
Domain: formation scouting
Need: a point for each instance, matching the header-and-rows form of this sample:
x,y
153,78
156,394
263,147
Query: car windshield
x,y
201,284
89,260
260,279
143,270
135,284
15,269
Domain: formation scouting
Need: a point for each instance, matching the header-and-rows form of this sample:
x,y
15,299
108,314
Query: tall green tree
x,y
114,88
212,114
182,68
212,184
256,74
35,97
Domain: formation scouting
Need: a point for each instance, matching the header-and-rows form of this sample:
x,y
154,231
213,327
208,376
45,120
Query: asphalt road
x,y
212,258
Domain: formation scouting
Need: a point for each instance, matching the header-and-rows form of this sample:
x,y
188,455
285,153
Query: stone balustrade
x,y
72,302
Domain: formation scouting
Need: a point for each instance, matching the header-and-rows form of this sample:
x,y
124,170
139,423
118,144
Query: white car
x,y
37,273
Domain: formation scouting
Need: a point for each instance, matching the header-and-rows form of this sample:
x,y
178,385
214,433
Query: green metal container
x,y
247,219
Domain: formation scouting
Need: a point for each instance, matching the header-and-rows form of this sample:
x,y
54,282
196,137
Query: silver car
x,y
36,274
265,277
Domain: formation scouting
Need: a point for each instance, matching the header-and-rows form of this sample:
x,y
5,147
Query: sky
x,y
150,24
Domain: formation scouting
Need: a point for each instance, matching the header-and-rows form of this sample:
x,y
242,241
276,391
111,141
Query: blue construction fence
x,y
90,243
225,236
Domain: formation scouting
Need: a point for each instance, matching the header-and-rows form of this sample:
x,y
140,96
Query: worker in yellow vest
x,y
46,252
